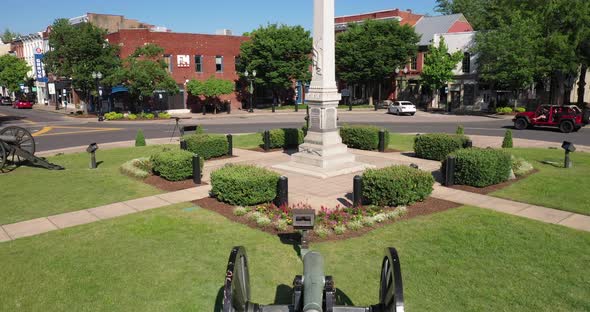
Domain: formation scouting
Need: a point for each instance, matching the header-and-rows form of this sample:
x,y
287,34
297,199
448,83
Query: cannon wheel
x,y
24,141
236,290
391,291
3,156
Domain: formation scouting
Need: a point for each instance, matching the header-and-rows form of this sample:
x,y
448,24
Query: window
x,y
466,62
168,61
198,63
414,63
219,64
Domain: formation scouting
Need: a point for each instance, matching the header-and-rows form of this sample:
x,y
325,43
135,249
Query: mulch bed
x,y
170,186
492,188
429,206
260,149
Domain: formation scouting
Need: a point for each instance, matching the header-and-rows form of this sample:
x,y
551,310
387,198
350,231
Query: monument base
x,y
323,156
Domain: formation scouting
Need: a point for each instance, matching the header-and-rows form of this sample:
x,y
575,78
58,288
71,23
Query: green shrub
x,y
174,165
113,116
240,211
164,115
206,146
355,225
437,146
481,167
340,229
520,166
362,137
286,137
396,185
504,110
281,225
139,138
132,117
244,185
139,168
321,231
460,130
507,142
520,109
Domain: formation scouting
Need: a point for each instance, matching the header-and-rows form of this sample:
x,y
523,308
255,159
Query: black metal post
x,y
266,140
93,160
357,191
349,104
568,162
197,169
296,106
273,105
204,109
251,110
382,140
283,192
183,145
450,171
230,145
468,144
229,107
307,117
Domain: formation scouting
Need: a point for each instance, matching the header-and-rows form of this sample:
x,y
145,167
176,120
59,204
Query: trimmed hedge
x,y
396,185
206,146
437,146
362,137
244,185
481,167
174,165
139,138
507,142
286,137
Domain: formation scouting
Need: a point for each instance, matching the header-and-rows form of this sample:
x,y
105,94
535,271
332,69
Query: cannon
x,y
18,145
312,291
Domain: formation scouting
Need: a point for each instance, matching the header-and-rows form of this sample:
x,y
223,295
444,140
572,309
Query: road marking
x,y
42,131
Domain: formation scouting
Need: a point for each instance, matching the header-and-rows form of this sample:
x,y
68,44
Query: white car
x,y
402,107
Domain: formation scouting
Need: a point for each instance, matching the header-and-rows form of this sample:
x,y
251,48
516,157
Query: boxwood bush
x,y
396,185
286,137
207,146
362,137
174,165
437,146
481,167
244,185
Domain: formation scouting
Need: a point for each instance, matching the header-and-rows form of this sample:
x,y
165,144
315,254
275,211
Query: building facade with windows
x,y
189,56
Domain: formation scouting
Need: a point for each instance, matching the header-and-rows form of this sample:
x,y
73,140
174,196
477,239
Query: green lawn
x,y
247,141
174,259
553,186
28,193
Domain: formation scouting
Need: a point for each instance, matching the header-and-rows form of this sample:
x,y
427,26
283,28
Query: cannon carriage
x,y
17,145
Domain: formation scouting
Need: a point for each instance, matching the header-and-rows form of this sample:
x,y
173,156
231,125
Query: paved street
x,y
54,131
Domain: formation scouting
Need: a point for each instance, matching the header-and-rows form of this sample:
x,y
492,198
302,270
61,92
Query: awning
x,y
117,89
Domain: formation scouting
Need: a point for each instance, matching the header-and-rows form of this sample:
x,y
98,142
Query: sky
x,y
193,16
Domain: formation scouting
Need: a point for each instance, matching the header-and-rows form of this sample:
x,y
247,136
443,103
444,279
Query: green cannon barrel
x,y
313,282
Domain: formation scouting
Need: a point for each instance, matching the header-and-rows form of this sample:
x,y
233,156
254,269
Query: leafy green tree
x,y
438,67
8,36
369,52
211,89
78,51
13,71
280,54
144,72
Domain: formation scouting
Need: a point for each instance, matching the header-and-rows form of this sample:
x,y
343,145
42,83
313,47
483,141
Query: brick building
x,y
189,56
110,22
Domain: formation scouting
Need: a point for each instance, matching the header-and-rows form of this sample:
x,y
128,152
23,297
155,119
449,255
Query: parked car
x,y
22,104
402,107
5,100
567,118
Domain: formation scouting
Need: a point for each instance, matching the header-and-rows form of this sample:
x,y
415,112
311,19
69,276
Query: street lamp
x,y
397,72
250,79
97,76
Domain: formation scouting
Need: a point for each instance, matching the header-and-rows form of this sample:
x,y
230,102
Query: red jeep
x,y
568,118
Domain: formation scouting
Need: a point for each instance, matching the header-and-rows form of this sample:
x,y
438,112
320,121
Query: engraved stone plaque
x,y
315,117
330,118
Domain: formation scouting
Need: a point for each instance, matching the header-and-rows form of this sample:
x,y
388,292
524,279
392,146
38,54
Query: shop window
x,y
219,64
198,63
168,61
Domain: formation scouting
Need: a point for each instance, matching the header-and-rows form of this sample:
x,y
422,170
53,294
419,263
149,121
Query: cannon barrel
x,y
8,138
313,282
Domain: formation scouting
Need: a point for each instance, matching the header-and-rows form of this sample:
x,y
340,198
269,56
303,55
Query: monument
x,y
322,154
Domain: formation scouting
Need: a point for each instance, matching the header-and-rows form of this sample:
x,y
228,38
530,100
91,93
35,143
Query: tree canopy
x,y
8,36
13,71
439,65
280,54
210,88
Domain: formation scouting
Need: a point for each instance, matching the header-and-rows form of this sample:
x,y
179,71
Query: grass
x,y
553,186
401,142
174,259
28,193
247,141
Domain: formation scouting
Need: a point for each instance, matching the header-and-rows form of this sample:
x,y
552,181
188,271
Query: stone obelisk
x,y
322,154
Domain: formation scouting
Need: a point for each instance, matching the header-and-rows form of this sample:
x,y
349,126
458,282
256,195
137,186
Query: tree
x,y
371,51
211,89
144,72
78,51
280,54
438,67
13,71
8,36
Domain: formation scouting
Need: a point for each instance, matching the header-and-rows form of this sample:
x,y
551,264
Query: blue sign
x,y
39,71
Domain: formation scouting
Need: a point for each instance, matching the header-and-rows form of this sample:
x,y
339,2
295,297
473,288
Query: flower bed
x,y
142,116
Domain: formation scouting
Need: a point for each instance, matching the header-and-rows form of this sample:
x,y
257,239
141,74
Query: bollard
x,y
357,193
197,169
307,117
283,192
296,107
229,107
273,106
204,109
266,140
183,145
468,144
382,141
450,171
230,145
349,105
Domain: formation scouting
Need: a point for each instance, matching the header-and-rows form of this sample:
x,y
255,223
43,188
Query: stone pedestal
x,y
322,154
